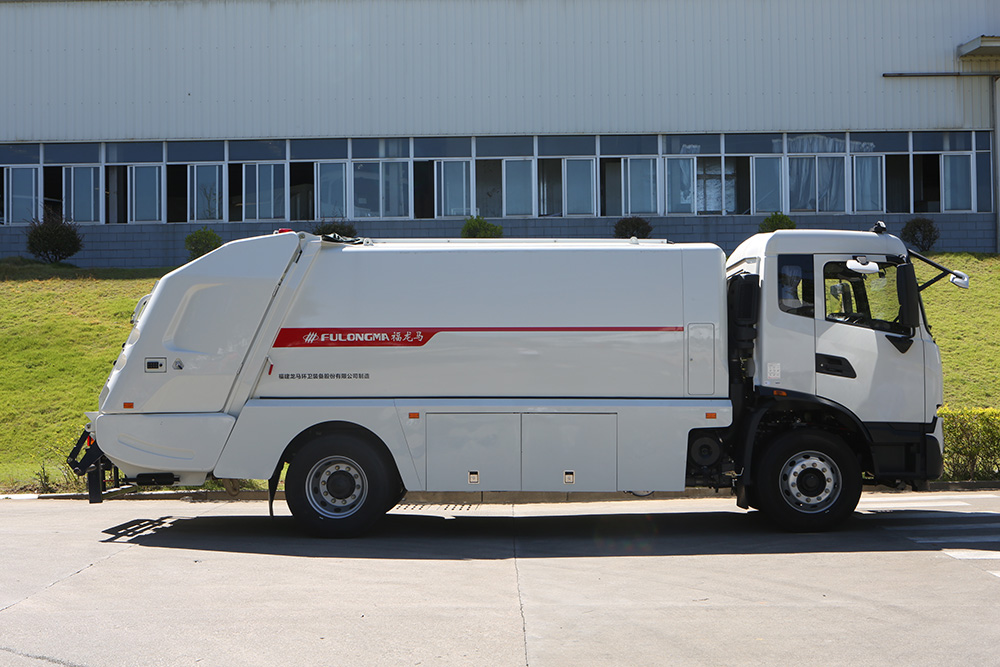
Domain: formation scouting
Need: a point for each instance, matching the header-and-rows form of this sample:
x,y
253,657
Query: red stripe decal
x,y
392,337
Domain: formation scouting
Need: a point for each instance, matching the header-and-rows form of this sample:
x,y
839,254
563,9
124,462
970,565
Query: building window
x,y
82,193
381,189
517,186
205,192
680,185
454,196
579,187
264,191
867,183
20,194
984,173
574,194
708,182
816,184
957,183
331,196
767,184
144,193
640,175
489,188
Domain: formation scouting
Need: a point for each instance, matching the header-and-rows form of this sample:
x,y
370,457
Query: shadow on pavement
x,y
408,536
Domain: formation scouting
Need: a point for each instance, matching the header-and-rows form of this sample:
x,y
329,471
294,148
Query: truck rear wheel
x,y
340,486
808,480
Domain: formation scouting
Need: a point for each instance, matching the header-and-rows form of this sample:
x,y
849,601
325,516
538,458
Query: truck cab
x,y
841,359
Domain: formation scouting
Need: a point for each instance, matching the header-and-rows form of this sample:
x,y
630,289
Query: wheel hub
x,y
340,484
336,487
810,481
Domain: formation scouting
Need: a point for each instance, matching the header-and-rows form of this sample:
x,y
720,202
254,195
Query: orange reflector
x,y
128,406
414,415
710,415
778,392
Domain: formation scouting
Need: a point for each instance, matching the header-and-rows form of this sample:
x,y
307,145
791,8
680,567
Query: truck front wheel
x,y
340,486
808,480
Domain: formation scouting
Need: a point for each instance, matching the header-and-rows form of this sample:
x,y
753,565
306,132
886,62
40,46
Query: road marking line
x,y
938,539
971,554
995,574
900,506
957,526
909,497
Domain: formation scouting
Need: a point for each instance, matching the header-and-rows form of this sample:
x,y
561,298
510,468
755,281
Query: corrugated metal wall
x,y
298,68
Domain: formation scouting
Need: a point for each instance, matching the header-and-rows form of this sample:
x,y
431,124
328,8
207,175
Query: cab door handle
x,y
837,366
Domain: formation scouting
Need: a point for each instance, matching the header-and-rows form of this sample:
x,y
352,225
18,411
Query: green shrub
x,y
774,222
971,444
201,242
344,229
920,233
635,226
477,227
54,238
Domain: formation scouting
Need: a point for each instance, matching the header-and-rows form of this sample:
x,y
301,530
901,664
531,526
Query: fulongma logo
x,y
312,337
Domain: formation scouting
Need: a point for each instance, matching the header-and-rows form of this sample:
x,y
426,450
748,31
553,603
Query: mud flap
x,y
272,487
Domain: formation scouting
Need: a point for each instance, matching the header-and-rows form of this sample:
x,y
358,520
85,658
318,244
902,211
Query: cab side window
x,y
870,300
795,285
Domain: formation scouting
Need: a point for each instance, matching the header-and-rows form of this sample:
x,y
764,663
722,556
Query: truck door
x,y
866,360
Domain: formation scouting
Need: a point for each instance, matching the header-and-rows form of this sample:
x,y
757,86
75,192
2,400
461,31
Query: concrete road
x,y
913,579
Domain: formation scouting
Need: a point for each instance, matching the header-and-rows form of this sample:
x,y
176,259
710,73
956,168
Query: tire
x,y
340,485
808,480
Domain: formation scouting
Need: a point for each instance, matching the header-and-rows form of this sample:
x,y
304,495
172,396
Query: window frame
x,y
223,181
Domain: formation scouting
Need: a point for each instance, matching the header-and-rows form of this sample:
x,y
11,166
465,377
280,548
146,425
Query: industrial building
x,y
145,120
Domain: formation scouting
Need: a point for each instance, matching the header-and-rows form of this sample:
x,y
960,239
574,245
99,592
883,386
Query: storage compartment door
x,y
473,452
569,452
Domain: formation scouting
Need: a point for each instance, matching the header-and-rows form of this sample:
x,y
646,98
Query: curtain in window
x,y
680,196
802,183
868,183
830,177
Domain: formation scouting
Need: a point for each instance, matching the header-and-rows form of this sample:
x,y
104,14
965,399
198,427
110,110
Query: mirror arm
x,y
945,271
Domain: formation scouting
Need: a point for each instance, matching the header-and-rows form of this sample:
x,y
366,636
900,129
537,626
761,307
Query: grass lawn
x,y
61,328
966,326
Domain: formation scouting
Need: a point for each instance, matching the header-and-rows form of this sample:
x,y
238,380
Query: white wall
x,y
247,68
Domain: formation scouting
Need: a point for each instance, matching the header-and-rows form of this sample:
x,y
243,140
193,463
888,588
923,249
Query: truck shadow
x,y
423,537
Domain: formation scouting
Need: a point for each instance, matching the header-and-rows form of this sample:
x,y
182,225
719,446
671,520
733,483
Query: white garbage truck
x,y
792,373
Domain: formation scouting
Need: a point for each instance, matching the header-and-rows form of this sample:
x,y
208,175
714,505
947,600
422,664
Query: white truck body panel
x,y
202,318
594,358
187,444
436,443
504,320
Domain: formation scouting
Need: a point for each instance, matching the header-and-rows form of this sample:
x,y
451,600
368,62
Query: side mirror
x,y
959,279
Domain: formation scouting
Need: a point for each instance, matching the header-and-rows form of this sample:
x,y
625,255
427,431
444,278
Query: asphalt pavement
x,y
913,578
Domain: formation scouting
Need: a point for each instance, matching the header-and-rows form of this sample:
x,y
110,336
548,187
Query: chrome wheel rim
x,y
810,482
336,487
